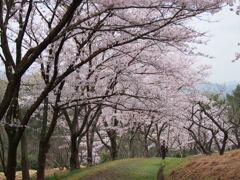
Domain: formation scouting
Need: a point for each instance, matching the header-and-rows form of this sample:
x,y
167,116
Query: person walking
x,y
163,150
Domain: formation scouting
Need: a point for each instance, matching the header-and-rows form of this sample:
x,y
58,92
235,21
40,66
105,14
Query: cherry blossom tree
x,y
78,32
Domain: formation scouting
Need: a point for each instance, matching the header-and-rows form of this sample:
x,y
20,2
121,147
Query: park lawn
x,y
125,169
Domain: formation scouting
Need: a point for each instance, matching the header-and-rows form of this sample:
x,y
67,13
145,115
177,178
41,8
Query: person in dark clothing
x,y
163,150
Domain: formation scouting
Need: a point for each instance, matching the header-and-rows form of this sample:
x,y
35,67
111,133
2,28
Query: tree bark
x,y
89,155
90,139
74,159
133,133
2,154
42,156
24,158
131,152
43,146
46,134
146,152
12,158
158,148
114,146
222,150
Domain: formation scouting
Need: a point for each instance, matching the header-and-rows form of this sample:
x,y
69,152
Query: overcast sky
x,y
223,44
224,38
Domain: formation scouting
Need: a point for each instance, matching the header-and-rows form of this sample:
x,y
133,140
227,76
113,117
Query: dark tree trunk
x,y
74,159
12,158
237,135
131,152
203,149
198,142
157,143
222,150
14,134
145,139
158,148
145,149
114,146
133,132
24,158
89,156
74,144
2,154
43,147
112,134
44,144
42,156
114,154
90,139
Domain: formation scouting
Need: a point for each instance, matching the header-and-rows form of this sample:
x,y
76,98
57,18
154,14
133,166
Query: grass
x,y
198,167
126,169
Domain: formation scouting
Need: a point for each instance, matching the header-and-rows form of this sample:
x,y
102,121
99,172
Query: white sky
x,y
223,44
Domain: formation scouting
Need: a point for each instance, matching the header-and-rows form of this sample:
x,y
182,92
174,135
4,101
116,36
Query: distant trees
x,y
234,116
213,122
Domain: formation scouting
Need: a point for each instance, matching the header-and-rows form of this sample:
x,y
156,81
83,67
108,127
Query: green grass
x,y
126,169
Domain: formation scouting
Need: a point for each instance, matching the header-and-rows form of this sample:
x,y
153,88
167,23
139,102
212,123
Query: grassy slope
x,y
214,167
199,167
126,169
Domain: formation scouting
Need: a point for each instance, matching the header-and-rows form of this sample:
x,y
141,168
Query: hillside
x,y
126,169
214,167
199,167
225,88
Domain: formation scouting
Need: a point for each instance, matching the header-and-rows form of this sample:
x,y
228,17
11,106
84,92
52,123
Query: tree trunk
x,y
114,146
237,135
146,152
90,139
158,148
131,152
12,158
74,159
114,154
43,146
222,150
203,149
198,142
24,158
158,144
2,154
42,156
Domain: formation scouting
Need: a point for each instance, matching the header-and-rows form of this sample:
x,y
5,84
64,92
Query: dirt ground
x,y
214,167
